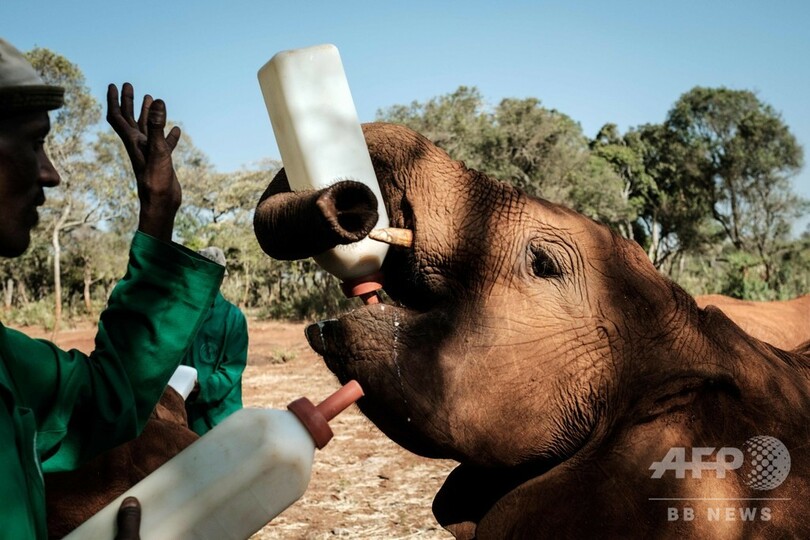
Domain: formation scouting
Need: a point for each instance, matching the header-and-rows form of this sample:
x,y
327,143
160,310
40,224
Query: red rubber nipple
x,y
316,419
365,287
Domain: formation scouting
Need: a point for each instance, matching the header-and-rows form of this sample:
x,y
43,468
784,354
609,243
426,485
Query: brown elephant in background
x,y
548,357
783,324
73,497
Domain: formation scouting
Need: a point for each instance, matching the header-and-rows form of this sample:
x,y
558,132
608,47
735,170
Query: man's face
x,y
24,170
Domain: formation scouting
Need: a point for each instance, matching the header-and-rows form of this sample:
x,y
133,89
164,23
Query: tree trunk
x,y
57,282
736,237
88,280
23,293
246,293
8,294
57,270
652,253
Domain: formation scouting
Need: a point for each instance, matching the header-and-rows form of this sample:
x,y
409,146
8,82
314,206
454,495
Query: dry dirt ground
x,y
363,485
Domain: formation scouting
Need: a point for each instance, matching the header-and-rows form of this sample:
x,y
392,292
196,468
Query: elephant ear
x,y
470,493
529,502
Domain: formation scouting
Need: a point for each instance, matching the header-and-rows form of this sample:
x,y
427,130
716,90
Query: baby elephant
x,y
73,497
784,324
582,393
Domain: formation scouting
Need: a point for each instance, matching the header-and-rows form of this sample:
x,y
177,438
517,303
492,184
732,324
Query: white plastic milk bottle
x,y
232,481
321,142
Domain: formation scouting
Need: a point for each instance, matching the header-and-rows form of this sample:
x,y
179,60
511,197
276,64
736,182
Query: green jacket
x,y
219,355
58,408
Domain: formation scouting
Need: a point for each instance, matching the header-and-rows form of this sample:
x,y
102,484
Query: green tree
x,y
793,268
456,122
669,211
624,156
76,203
227,207
540,150
115,184
734,155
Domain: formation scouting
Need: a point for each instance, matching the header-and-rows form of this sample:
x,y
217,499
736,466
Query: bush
x,y
745,279
308,303
39,313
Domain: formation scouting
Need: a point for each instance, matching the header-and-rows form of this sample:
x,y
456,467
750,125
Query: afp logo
x,y
764,460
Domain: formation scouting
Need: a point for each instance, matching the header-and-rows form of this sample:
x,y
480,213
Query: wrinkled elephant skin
x,y
548,356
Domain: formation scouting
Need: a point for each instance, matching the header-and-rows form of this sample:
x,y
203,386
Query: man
x,y
219,355
60,408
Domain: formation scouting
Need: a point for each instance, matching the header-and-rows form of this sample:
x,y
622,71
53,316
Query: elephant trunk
x,y
297,225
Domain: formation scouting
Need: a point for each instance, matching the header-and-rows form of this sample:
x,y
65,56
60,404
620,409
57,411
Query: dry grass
x,y
363,485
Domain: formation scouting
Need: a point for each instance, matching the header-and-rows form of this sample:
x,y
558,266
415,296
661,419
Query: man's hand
x,y
129,520
151,155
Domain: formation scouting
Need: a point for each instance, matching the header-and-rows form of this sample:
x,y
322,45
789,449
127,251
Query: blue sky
x,y
622,62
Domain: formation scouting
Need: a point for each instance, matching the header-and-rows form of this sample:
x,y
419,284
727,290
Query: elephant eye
x,y
543,265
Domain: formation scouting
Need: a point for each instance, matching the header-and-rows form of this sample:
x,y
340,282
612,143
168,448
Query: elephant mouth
x,y
360,338
405,299
408,290
390,348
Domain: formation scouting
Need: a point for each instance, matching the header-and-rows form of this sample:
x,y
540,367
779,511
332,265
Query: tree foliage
x,y
79,204
726,160
738,151
540,150
707,193
711,183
